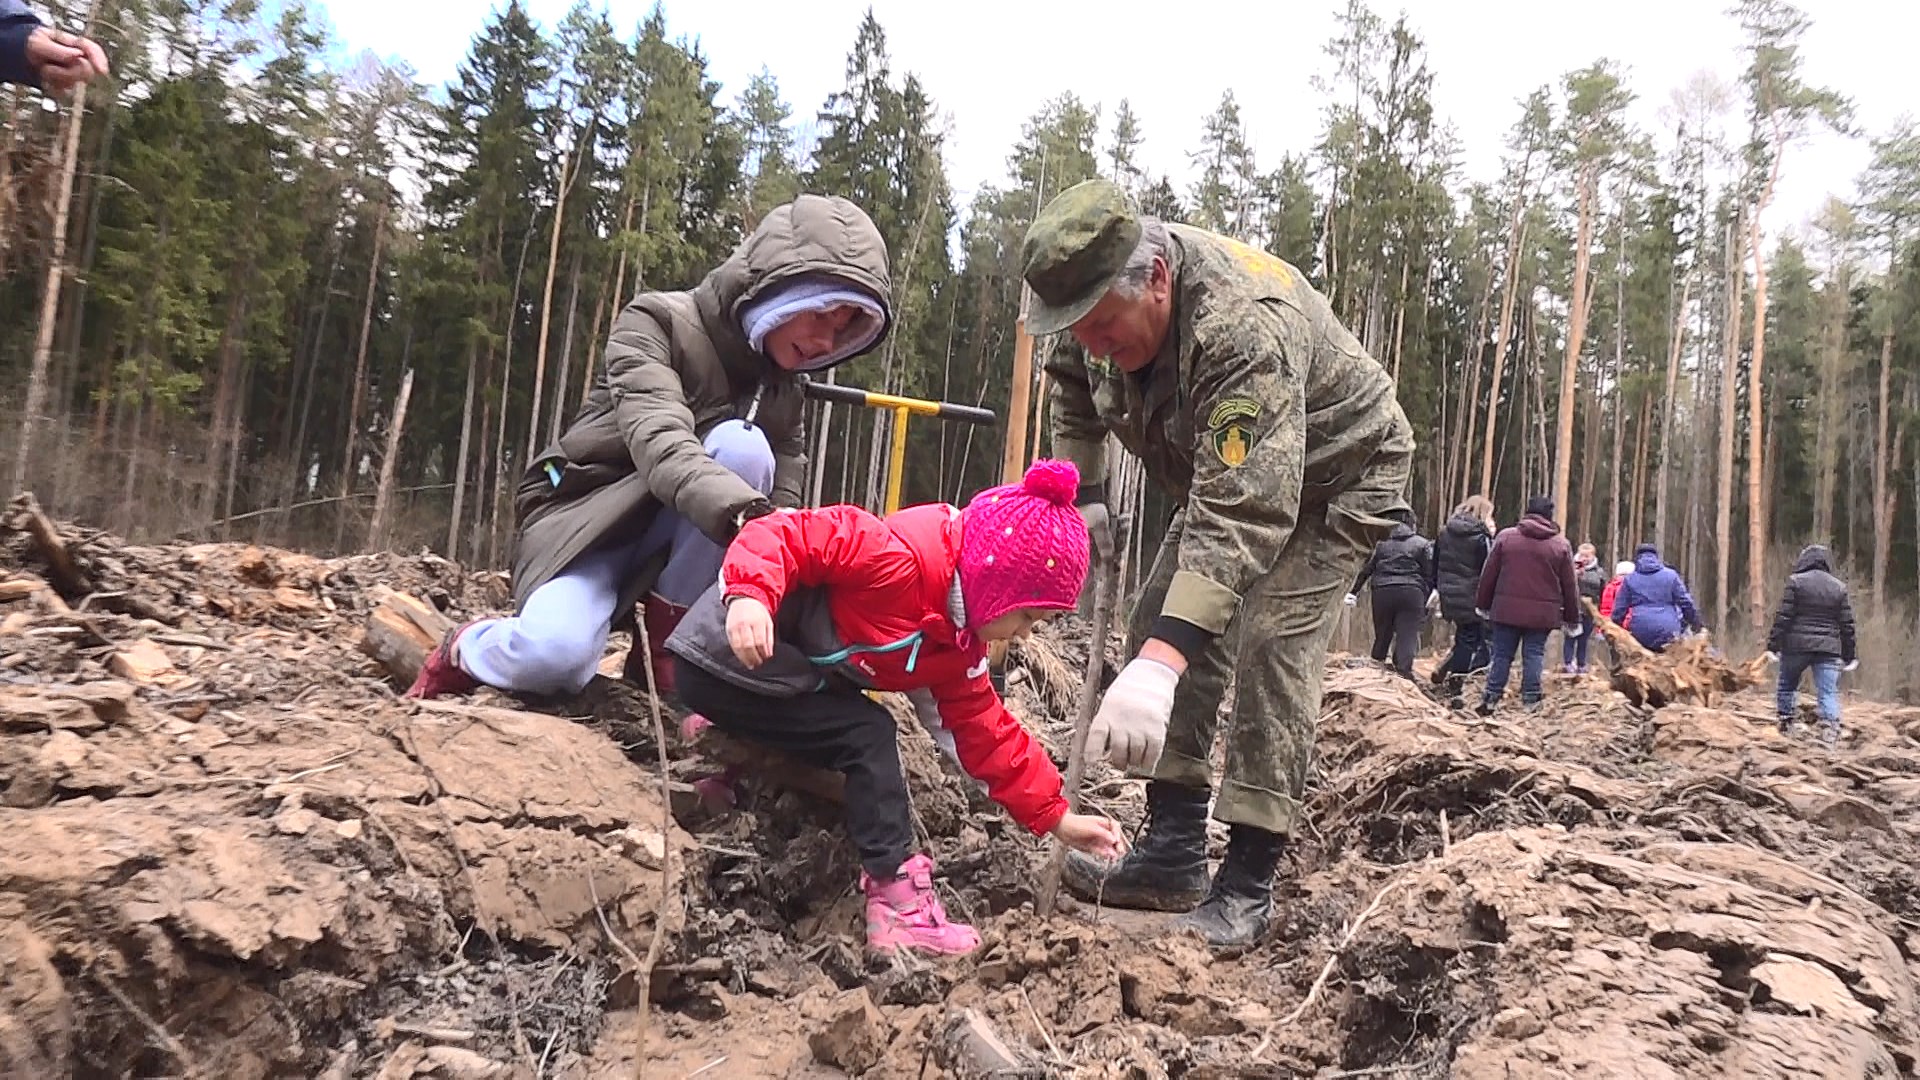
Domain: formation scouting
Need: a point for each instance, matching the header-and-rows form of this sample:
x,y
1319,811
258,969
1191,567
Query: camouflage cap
x,y
1074,250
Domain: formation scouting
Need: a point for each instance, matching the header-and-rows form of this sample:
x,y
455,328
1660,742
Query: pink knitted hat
x,y
1023,545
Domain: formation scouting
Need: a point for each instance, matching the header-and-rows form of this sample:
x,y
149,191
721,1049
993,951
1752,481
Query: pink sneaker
x,y
905,913
440,675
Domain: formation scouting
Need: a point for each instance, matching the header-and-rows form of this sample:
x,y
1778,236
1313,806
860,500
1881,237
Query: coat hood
x,y
1647,560
1813,557
1401,531
1536,527
812,237
1466,525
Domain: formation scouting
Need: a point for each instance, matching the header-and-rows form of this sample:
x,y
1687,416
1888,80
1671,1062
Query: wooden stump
x,y
1688,671
401,631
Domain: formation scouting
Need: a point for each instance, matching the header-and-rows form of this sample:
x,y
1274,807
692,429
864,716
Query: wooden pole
x,y
56,272
897,459
1013,461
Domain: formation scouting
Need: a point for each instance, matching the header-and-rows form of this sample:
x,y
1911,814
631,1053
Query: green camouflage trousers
x,y
1277,646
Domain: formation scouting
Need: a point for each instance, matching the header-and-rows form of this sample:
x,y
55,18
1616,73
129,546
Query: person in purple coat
x,y
1657,601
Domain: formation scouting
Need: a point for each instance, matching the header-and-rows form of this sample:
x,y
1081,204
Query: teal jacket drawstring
x,y
913,641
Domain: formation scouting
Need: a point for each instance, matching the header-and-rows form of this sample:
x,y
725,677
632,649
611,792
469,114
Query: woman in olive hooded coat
x,y
694,428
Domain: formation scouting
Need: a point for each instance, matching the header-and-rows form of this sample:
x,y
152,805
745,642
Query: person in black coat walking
x,y
1460,553
1401,569
1813,631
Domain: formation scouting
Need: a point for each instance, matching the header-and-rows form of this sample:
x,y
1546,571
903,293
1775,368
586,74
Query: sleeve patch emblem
x,y
1230,428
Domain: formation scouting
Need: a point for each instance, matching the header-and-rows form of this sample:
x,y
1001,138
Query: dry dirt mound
x,y
231,851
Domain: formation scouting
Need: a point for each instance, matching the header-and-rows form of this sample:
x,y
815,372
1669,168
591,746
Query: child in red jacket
x,y
1612,590
815,606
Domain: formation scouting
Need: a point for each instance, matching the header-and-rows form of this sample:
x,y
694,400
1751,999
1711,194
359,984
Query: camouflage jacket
x,y
1259,403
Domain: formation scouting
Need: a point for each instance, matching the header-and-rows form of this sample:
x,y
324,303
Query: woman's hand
x,y
749,630
1097,836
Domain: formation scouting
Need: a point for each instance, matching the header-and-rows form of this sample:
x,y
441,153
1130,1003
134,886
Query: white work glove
x,y
1352,599
1773,658
1433,602
1573,629
1851,665
1485,615
1099,528
1130,729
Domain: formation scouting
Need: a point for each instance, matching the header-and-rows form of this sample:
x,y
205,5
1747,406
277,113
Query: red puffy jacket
x,y
887,583
1607,594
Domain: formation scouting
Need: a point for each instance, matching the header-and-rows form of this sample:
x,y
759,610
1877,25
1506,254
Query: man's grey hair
x,y
1132,282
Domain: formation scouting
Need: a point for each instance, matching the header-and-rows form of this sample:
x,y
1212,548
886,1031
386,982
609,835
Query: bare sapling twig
x,y
1326,969
1106,585
645,974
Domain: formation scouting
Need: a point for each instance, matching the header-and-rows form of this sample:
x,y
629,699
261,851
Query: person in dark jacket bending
x,y
1813,631
1526,590
1459,555
1401,569
695,427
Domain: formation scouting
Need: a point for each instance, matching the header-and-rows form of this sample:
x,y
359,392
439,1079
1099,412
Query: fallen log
x,y
62,571
1690,670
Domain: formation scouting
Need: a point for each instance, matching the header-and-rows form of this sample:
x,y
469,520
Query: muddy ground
x,y
228,849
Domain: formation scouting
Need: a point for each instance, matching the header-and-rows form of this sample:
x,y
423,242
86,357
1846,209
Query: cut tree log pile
x,y
233,851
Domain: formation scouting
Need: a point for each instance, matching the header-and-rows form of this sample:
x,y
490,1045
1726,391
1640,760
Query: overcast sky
x,y
991,63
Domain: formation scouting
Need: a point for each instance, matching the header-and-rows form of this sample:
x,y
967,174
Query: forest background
x,y
257,287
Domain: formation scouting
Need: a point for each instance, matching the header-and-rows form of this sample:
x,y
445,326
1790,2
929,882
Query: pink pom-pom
x,y
1058,482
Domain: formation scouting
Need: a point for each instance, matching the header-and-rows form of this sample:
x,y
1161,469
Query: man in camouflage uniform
x,y
1222,370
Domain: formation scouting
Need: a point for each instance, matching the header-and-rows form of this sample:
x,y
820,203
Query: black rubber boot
x,y
1235,913
1166,870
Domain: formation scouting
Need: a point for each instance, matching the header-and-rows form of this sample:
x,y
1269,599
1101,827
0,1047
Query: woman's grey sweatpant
x,y
554,645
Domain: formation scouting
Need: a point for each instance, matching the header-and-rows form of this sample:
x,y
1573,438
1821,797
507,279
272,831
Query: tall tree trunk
x,y
1674,349
566,348
226,406
1576,338
1756,411
460,459
1616,544
1399,316
383,496
491,514
546,307
590,369
76,305
1642,446
1502,340
348,463
1589,502
1464,422
1884,452
481,470
50,291
1730,360
11,114
1826,440
232,437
